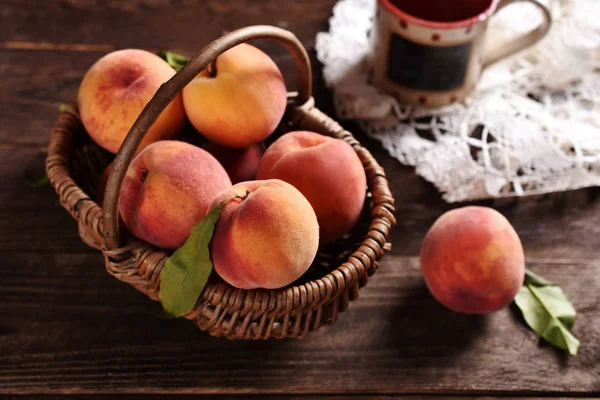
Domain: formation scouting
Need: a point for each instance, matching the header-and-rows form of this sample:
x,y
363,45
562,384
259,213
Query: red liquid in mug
x,y
442,10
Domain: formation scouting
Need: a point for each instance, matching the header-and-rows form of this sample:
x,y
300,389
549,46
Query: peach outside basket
x,y
315,300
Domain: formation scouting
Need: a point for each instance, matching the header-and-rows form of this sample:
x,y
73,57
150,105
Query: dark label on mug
x,y
423,67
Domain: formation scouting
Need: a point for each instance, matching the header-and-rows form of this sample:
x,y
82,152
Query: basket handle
x,y
169,90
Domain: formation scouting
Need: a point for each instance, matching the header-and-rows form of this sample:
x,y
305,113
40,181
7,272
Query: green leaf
x,y
41,182
535,279
186,272
548,311
176,61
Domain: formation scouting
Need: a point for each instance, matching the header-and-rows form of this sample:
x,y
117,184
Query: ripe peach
x,y
114,91
167,190
240,164
472,260
265,238
242,104
325,170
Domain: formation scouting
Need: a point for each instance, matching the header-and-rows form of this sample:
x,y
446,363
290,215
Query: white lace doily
x,y
532,126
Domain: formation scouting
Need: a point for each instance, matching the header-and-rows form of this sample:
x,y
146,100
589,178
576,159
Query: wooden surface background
x,y
68,328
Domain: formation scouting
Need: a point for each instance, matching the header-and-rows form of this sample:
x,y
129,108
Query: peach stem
x,y
212,68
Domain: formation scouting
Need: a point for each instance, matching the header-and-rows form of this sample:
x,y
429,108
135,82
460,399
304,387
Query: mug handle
x,y
522,42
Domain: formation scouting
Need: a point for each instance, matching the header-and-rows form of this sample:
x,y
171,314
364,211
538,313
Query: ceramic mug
x,y
432,53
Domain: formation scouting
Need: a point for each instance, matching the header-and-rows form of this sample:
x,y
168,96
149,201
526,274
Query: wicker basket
x,y
315,300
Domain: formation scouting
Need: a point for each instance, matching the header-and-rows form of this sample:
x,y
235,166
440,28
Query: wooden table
x,y
68,328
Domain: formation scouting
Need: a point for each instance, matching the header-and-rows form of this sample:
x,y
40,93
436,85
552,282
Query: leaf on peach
x,y
176,61
186,272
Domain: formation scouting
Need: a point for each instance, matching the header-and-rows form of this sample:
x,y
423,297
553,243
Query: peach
x,y
240,164
114,91
266,237
167,190
242,103
325,170
472,260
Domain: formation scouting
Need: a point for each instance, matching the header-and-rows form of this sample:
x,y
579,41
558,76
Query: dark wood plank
x,y
180,24
34,84
69,327
31,219
295,397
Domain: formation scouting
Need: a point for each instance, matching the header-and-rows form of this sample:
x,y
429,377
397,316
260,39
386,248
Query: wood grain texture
x,y
32,219
67,327
71,328
179,24
292,397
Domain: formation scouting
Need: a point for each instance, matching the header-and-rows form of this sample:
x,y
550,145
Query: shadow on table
x,y
420,324
562,357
